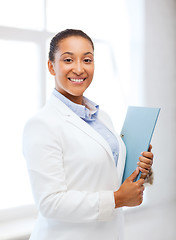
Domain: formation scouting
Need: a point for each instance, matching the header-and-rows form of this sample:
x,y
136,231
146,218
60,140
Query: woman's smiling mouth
x,y
77,80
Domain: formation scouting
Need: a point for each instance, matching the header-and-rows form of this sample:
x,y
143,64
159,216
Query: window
x,y
19,99
26,28
22,14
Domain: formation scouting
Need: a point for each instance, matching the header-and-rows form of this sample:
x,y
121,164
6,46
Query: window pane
x,y
18,101
94,17
27,14
50,83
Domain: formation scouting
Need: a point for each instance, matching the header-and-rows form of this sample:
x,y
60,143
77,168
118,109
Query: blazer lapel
x,y
81,124
71,117
122,149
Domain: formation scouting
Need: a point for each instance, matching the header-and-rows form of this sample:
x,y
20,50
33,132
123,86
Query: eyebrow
x,y
88,53
70,53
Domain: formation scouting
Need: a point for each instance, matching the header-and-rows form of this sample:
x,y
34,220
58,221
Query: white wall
x,y
136,20
160,91
157,219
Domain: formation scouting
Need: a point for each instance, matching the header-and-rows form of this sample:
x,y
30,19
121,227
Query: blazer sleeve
x,y
43,152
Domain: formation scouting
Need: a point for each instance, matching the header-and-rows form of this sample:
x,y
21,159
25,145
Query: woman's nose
x,y
78,68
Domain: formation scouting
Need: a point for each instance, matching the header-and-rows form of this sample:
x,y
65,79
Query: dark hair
x,y
62,35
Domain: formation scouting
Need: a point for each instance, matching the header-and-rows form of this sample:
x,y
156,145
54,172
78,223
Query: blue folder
x,y
136,133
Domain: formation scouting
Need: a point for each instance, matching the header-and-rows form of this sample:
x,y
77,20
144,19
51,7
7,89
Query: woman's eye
x,y
88,60
68,60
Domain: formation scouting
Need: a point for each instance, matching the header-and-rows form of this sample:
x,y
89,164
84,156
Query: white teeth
x,y
76,80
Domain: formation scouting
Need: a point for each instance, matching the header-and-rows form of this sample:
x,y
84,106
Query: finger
x,y
144,166
142,188
148,161
134,175
143,170
150,148
147,154
144,175
140,182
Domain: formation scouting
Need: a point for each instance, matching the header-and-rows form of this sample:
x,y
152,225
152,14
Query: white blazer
x,y
73,176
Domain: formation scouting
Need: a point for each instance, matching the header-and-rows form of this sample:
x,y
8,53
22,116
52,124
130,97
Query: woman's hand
x,y
145,163
130,193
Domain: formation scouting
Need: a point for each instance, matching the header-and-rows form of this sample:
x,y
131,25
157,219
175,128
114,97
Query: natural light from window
x,y
23,63
22,14
18,101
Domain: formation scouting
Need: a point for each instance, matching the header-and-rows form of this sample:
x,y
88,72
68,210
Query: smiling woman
x,y
74,157
73,67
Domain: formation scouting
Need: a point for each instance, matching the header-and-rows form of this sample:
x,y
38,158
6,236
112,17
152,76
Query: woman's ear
x,y
51,68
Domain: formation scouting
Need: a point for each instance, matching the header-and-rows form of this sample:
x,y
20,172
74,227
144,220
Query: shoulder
x,y
43,123
48,114
38,121
41,131
37,129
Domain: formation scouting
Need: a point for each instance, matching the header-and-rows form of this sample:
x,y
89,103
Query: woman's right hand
x,y
130,193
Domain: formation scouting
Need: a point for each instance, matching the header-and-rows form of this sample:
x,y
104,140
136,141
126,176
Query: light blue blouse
x,y
88,112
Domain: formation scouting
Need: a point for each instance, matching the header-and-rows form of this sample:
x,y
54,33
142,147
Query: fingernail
x,y
142,153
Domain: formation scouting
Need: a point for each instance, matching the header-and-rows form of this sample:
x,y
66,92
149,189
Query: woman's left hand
x,y
145,162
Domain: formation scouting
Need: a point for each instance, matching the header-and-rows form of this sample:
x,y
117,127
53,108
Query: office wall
x,y
156,219
160,91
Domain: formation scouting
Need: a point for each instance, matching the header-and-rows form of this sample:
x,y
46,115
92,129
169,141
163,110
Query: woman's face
x,y
73,67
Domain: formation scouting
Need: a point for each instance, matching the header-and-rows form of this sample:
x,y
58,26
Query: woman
x,y
74,157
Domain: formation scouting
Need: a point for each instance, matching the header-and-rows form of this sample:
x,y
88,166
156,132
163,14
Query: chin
x,y
76,92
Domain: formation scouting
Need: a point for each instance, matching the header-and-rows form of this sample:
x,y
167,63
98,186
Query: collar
x,y
88,111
